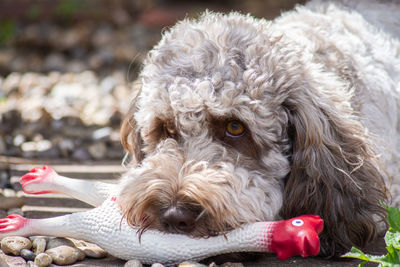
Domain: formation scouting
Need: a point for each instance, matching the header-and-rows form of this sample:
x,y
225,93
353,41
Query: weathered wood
x,y
47,211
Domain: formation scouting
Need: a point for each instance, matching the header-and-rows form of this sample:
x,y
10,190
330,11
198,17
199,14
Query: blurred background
x,y
67,69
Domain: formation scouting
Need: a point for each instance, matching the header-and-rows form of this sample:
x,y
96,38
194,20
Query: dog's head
x,y
235,123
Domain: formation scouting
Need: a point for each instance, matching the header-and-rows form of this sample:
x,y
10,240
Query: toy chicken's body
x,y
106,226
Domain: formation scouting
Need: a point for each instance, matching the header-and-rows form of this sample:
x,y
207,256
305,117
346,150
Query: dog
x,y
239,120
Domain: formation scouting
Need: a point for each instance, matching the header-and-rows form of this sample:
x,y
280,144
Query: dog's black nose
x,y
177,219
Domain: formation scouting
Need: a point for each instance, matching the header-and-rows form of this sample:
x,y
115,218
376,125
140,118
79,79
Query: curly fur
x,y
318,92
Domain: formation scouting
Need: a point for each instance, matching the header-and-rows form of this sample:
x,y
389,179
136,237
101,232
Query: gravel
x,y
63,115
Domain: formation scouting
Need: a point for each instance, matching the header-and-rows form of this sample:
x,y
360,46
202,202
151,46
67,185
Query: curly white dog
x,y
240,120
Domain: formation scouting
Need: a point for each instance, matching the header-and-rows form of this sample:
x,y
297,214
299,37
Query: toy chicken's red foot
x,y
297,236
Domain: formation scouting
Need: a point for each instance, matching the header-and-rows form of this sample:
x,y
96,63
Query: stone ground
x,y
266,260
271,261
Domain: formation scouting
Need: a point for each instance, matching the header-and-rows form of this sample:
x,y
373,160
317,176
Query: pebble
x,y
63,255
95,62
90,250
102,36
3,146
4,179
107,84
59,241
27,254
94,252
40,146
3,214
31,264
54,61
76,66
81,154
126,52
18,140
232,264
28,146
66,146
14,244
157,265
43,145
43,260
102,133
28,81
98,150
50,153
47,238
7,192
11,82
191,264
11,119
39,245
7,203
133,263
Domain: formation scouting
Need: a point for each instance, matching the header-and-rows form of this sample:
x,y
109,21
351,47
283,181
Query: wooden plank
x,y
108,168
8,160
15,180
97,173
55,202
90,176
53,209
47,212
49,195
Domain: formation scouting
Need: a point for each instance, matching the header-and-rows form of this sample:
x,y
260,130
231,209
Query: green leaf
x,y
393,256
393,239
393,218
357,254
390,260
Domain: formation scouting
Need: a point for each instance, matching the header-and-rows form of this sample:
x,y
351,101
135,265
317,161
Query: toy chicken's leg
x,y
46,180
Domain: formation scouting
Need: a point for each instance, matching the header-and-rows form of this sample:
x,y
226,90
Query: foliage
x,y
34,11
7,31
68,8
392,239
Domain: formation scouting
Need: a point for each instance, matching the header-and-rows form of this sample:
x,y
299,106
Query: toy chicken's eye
x,y
297,222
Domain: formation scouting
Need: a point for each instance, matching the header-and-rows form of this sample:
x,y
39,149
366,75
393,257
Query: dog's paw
x,y
12,223
38,180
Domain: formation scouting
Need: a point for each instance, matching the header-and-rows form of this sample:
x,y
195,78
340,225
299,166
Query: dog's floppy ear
x,y
130,135
334,171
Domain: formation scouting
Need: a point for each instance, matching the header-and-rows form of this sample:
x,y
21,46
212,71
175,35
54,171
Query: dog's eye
x,y
170,129
235,129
